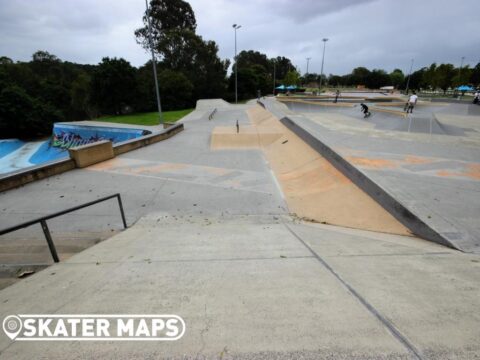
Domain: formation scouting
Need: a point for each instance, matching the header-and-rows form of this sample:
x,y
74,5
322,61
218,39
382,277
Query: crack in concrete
x,y
388,324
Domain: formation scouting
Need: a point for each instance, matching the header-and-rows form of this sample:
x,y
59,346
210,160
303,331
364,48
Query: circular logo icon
x,y
12,325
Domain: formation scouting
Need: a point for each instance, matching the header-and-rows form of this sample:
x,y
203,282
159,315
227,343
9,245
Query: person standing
x,y
476,97
337,94
412,101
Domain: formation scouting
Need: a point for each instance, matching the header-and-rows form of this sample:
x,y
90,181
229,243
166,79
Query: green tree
x,y
360,75
376,79
80,97
416,79
113,85
247,83
292,78
462,76
444,74
5,60
166,16
282,66
397,78
475,75
429,79
22,116
176,90
181,50
251,58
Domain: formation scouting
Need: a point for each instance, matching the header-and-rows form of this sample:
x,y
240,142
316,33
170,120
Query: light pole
x,y
409,75
308,60
323,60
154,64
235,28
274,70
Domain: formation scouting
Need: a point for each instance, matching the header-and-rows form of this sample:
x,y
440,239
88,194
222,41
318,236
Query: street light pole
x,y
323,60
409,75
274,70
236,27
154,64
308,60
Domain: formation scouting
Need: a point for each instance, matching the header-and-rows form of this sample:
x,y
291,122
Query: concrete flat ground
x,y
436,176
211,240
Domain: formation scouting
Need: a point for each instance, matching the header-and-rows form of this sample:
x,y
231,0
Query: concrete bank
x,y
424,217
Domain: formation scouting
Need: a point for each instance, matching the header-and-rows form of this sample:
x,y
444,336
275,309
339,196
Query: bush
x,y
22,116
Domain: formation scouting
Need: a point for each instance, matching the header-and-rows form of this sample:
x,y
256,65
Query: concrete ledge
x,y
93,153
166,125
380,195
129,145
34,173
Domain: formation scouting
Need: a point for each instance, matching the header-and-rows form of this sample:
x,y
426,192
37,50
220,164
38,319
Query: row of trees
x,y
443,76
46,89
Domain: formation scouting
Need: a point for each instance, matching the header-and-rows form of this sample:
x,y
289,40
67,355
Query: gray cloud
x,y
304,10
372,33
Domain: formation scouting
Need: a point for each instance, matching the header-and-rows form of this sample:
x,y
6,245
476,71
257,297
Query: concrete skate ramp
x,y
226,137
391,119
212,104
314,190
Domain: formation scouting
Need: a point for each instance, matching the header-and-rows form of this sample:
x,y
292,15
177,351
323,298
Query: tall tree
x,y
166,16
475,76
292,78
113,85
444,75
181,50
397,78
282,66
360,75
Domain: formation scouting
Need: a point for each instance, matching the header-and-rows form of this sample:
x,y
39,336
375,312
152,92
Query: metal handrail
x,y
43,221
210,117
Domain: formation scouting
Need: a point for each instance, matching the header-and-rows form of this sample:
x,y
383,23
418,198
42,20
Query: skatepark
x,y
309,232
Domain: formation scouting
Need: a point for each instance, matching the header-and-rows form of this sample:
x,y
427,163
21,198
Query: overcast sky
x,y
373,33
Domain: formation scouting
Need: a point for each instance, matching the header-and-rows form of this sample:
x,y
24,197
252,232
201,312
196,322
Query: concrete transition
x,y
212,239
313,188
428,179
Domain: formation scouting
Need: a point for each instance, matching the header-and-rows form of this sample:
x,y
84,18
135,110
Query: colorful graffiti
x,y
66,136
17,155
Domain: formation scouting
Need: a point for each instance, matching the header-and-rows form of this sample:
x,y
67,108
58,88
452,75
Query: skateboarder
x,y
365,110
412,101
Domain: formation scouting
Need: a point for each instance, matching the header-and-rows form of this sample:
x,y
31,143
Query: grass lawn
x,y
150,118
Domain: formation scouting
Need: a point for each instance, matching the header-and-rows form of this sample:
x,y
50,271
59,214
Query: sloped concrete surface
x,y
436,177
262,287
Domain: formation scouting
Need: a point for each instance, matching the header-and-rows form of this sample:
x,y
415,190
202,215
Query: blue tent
x,y
281,87
291,87
465,88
